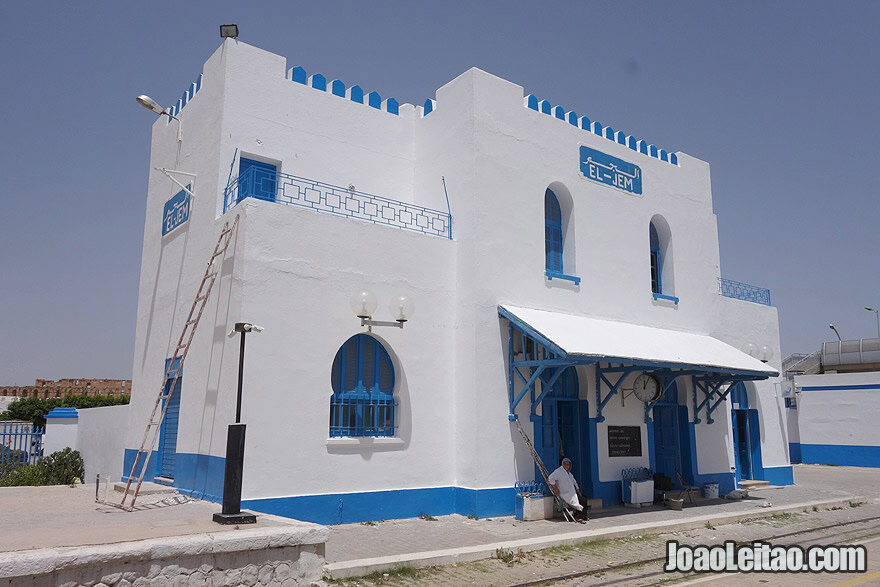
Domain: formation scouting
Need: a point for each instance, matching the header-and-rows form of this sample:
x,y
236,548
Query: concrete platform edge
x,y
361,567
42,561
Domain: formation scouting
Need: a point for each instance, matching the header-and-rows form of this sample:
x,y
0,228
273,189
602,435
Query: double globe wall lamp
x,y
364,304
763,353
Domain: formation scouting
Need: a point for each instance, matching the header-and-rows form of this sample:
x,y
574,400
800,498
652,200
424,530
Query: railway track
x,y
841,537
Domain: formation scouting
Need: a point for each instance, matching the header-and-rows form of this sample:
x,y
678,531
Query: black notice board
x,y
624,441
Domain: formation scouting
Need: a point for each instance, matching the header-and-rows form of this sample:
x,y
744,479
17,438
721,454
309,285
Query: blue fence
x,y
331,199
743,291
20,444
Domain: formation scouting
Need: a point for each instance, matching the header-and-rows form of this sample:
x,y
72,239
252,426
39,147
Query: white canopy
x,y
583,336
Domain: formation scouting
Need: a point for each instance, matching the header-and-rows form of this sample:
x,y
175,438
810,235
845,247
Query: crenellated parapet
x,y
597,128
187,96
338,88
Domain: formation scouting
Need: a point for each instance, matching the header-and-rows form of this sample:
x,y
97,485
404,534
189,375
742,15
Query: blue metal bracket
x,y
557,275
709,393
600,402
650,406
721,398
545,388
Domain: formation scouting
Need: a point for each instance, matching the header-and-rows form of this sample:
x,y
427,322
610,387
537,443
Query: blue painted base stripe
x,y
347,508
840,387
839,454
200,476
779,475
794,452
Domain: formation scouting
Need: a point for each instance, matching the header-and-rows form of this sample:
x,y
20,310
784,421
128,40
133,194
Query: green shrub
x,y
23,475
62,467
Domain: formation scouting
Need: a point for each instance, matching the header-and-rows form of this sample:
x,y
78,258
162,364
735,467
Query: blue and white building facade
x,y
566,276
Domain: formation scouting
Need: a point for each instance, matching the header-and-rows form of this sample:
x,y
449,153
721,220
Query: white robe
x,y
567,486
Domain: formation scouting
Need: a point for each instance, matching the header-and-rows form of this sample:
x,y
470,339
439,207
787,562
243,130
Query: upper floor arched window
x,y
362,378
656,262
552,232
662,275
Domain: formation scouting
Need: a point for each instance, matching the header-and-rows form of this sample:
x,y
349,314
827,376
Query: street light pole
x,y
235,435
876,315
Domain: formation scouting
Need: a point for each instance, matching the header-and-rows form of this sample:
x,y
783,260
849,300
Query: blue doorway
x,y
741,448
168,431
561,430
671,439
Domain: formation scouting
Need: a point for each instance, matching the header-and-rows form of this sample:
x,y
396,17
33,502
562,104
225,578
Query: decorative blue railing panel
x,y
347,202
743,291
531,488
20,444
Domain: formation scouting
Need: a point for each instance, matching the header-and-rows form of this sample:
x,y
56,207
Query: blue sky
x,y
781,98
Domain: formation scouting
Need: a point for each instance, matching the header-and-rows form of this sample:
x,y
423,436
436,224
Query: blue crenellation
x,y
186,98
621,138
337,87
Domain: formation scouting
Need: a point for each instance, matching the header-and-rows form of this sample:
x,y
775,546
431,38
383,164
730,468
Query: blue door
x,y
741,450
257,180
557,430
168,431
666,441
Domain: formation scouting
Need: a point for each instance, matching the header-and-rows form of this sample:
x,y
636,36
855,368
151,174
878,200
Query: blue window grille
x,y
552,232
362,378
257,180
656,262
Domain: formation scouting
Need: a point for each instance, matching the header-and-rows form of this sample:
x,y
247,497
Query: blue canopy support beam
x,y
613,388
670,381
546,387
721,398
709,389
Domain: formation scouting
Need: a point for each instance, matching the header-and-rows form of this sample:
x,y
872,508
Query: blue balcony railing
x,y
331,199
743,291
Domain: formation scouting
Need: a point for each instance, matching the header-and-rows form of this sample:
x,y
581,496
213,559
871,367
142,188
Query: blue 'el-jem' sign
x,y
176,211
612,171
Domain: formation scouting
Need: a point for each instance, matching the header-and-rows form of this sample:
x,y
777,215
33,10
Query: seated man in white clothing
x,y
563,486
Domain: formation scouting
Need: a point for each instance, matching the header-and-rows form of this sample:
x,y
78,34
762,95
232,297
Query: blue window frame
x,y
552,232
656,262
362,378
257,180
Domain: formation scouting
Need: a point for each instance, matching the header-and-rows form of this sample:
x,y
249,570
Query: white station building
x,y
565,277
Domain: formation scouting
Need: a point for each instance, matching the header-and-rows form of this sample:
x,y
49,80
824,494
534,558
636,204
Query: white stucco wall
x,y
100,440
60,434
838,416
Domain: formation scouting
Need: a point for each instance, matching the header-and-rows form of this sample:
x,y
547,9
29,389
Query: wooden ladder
x,y
174,369
566,511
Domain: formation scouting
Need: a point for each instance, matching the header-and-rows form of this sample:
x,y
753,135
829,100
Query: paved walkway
x,y
59,516
405,541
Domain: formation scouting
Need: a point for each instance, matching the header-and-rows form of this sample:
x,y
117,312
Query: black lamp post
x,y
231,512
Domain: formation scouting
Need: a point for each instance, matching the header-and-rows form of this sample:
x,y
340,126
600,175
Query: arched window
x,y
662,269
552,232
656,262
362,378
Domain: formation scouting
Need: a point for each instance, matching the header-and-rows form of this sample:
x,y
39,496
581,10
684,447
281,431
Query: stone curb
x,y
432,558
49,560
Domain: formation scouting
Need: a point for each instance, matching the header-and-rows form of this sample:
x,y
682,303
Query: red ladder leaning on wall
x,y
175,367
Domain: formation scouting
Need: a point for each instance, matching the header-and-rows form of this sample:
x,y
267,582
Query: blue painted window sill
x,y
364,441
557,275
672,299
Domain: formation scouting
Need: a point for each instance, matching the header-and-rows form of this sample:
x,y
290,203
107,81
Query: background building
x,y
833,400
47,388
